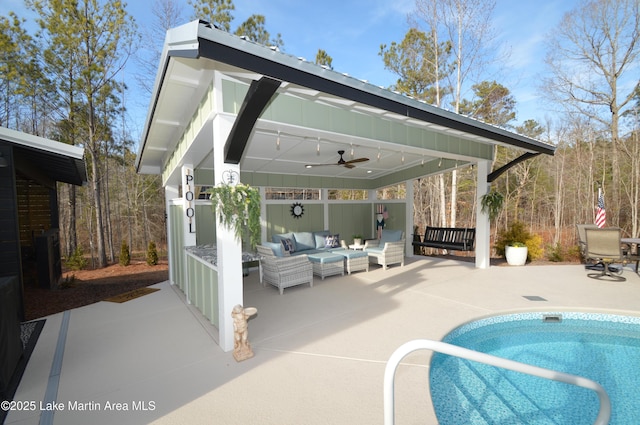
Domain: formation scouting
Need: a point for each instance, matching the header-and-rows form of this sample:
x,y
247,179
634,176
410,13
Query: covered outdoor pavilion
x,y
224,106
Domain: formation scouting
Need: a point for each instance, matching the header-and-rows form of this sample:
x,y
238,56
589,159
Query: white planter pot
x,y
357,241
516,255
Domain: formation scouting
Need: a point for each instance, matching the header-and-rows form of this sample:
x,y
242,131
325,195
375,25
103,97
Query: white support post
x,y
324,197
373,198
483,226
189,220
170,193
189,204
263,213
409,219
230,283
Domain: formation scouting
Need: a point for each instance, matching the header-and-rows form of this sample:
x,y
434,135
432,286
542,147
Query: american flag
x,y
601,214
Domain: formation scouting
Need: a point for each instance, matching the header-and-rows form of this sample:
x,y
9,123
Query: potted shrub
x,y
516,253
516,242
357,239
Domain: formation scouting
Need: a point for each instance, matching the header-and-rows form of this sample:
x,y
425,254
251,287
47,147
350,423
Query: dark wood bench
x,y
452,238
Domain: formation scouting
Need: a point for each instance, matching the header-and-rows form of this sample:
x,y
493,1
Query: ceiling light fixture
x,y
440,163
378,158
351,150
278,141
402,158
318,147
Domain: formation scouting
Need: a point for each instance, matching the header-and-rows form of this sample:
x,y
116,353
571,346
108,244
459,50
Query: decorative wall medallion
x,y
230,177
297,210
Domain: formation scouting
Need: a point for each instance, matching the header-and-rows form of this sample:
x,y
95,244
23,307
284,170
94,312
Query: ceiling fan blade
x,y
341,161
320,165
353,161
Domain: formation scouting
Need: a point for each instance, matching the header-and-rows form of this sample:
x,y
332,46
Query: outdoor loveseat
x,y
284,272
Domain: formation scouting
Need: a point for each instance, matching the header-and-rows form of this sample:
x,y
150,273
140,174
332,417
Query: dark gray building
x,y
30,168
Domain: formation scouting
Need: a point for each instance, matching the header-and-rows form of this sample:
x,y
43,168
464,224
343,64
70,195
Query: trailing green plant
x,y
238,209
518,235
76,261
491,203
125,255
152,254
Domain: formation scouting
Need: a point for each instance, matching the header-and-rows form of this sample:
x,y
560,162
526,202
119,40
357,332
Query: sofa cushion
x,y
374,249
288,247
275,247
332,241
390,236
304,240
320,237
309,252
325,257
350,253
278,237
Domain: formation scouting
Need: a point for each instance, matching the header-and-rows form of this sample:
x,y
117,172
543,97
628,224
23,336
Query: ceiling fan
x,y
341,161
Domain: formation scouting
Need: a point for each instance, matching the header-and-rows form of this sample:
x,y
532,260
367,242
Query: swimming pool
x,y
601,347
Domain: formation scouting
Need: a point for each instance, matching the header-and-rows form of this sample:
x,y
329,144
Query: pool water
x,y
602,347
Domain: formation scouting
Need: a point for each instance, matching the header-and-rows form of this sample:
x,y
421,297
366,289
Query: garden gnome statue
x,y
241,347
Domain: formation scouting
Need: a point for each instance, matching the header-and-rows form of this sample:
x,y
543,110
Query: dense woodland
x,y
63,80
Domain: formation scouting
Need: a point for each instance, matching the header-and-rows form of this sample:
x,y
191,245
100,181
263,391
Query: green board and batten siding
x,y
345,219
205,224
202,288
176,248
351,219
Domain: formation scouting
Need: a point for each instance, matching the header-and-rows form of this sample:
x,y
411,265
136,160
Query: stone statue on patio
x,y
241,347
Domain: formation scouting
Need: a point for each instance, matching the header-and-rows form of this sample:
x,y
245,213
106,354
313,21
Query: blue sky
x,y
351,31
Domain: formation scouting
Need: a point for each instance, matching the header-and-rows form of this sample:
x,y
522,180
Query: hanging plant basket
x,y
491,203
238,209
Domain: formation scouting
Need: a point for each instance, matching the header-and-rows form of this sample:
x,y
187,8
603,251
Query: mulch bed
x,y
83,287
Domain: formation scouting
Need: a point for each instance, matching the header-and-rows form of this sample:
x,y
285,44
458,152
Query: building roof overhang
x,y
45,160
315,112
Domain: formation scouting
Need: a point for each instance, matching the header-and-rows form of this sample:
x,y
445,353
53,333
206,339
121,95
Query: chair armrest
x,y
369,243
394,245
285,264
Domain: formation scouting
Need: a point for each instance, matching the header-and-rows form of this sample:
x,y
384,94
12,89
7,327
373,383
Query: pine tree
x,y
152,254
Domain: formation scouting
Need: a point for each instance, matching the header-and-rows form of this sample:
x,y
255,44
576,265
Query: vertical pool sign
x,y
188,186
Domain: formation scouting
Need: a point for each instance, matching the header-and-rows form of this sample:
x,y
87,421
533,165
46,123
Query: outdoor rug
x,y
29,333
127,296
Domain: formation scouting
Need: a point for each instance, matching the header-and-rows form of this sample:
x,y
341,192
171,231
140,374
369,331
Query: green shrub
x,y
535,248
125,255
152,254
555,253
518,233
68,282
77,261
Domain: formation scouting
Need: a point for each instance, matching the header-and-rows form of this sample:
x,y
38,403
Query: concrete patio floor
x,y
320,352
